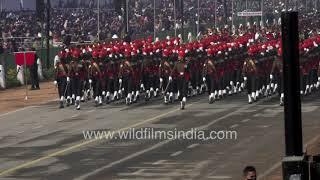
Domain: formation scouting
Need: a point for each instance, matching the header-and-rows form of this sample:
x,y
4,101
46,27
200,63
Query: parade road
x,y
44,142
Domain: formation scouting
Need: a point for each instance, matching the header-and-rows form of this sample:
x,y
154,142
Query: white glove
x,y
271,76
161,80
204,79
318,78
245,78
90,81
142,86
242,85
120,81
170,78
68,79
55,83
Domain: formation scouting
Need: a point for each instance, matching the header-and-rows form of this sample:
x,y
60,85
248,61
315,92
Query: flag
x,y
30,57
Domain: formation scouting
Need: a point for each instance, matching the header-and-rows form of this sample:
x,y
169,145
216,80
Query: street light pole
x,y
154,19
198,20
175,18
295,164
98,34
182,19
232,10
127,14
246,10
262,19
48,34
215,13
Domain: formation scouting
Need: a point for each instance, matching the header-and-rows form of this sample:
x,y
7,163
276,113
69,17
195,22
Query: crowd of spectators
x,y
80,21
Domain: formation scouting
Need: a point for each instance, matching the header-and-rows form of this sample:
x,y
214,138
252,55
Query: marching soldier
x,y
313,74
221,82
277,75
125,79
249,73
156,77
238,79
195,69
61,77
259,77
148,75
165,69
111,80
136,66
76,77
70,99
85,62
96,78
133,83
180,69
210,76
304,84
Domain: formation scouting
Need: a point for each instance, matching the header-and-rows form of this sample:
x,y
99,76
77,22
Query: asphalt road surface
x,y
44,142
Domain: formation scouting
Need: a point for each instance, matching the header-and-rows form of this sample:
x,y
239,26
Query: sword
x,y
65,91
165,91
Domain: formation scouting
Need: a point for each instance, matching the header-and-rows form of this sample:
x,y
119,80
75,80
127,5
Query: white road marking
x,y
234,126
176,153
257,115
20,132
172,163
8,113
159,162
149,167
74,115
28,107
37,127
264,126
219,177
91,111
245,120
306,109
138,172
192,146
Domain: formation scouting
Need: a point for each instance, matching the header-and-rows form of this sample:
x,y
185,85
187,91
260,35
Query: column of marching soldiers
x,y
219,64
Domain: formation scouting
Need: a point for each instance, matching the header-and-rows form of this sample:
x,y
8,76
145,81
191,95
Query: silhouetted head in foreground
x,y
249,173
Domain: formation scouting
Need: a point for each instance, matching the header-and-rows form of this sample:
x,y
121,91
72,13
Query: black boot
x,y
68,102
61,105
77,105
72,101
